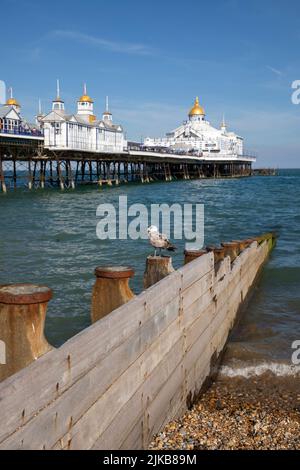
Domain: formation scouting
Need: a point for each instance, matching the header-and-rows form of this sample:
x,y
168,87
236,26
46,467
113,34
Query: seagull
x,y
159,240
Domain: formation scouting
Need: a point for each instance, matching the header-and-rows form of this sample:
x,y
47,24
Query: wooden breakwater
x,y
265,172
114,385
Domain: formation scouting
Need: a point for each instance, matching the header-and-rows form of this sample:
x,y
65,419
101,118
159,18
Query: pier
x,y
143,361
25,162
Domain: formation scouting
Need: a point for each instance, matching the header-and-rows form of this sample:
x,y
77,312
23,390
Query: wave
x,y
278,369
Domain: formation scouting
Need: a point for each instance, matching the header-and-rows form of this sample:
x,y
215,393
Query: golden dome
x,y
197,110
85,99
12,102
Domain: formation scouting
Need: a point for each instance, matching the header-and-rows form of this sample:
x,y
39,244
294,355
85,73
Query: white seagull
x,y
159,240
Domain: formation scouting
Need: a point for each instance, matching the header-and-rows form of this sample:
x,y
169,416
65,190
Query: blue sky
x,y
153,57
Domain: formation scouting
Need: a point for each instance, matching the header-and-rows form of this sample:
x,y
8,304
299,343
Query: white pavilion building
x,y
82,130
198,135
11,120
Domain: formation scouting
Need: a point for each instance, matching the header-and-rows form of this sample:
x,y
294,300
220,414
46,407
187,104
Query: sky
x,y
153,57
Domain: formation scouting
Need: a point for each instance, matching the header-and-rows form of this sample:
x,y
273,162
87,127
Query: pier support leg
x,y
2,178
70,175
22,317
157,267
42,178
29,175
60,177
15,174
111,290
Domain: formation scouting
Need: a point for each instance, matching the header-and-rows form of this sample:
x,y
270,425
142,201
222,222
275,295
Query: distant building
x,y
11,120
198,135
81,131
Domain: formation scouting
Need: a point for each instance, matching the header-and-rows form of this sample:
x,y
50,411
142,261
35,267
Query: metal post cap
x,y
114,272
24,294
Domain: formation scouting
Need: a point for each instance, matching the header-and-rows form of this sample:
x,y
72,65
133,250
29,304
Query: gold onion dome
x,y
12,102
197,110
85,99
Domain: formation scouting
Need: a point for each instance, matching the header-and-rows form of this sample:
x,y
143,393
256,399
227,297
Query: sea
x,y
48,237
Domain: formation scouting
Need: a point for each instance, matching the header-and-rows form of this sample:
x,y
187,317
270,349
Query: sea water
x,y
49,237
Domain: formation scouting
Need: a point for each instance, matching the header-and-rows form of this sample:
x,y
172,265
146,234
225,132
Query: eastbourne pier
x,y
66,150
25,162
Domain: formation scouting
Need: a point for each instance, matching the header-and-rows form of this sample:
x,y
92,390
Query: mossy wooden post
x,y
242,244
218,251
270,238
219,254
23,310
191,255
111,290
157,267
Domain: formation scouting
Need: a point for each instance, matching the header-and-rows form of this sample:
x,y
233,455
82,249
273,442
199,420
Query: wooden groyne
x,y
264,172
115,384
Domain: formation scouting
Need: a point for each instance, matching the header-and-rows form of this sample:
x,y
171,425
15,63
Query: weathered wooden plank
x,y
197,289
37,384
195,270
92,424
143,396
200,325
134,440
165,404
68,408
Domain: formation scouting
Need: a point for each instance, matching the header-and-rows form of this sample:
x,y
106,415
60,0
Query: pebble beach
x,y
239,414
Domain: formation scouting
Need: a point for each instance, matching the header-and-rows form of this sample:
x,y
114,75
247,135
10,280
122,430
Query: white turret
x,y
58,104
85,104
107,116
223,125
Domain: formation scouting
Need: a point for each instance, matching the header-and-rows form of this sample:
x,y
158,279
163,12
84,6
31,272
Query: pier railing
x,y
114,385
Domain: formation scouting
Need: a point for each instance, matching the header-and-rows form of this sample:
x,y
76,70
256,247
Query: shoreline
x,y
262,413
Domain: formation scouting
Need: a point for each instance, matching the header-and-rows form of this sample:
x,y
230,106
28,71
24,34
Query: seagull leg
x,y
155,252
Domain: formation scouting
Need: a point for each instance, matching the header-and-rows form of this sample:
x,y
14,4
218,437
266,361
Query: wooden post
x,y
219,254
191,255
111,290
231,249
242,244
22,317
269,237
157,267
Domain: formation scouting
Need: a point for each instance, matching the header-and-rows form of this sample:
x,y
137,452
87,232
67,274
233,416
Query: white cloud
x,y
101,43
277,72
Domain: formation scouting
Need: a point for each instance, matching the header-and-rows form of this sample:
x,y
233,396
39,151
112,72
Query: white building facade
x,y
11,120
81,131
197,135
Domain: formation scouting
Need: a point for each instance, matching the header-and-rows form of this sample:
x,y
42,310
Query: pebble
x,y
237,415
